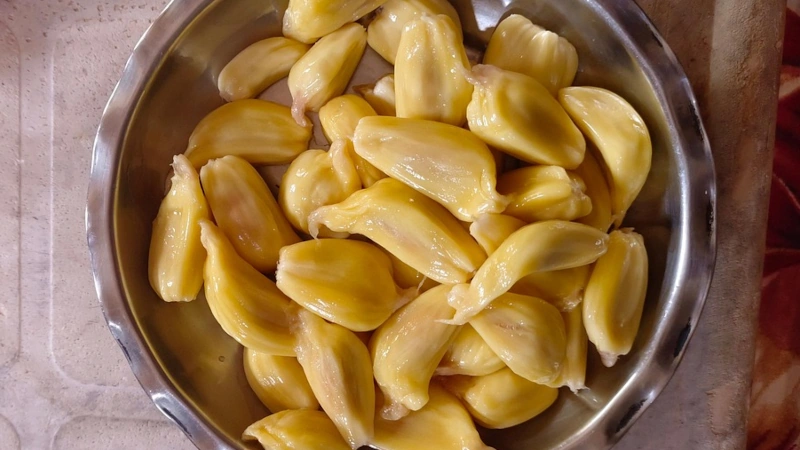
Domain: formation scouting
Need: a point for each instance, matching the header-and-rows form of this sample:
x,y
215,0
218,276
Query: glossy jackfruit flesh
x,y
318,178
324,71
621,137
338,368
258,131
446,163
380,95
278,381
597,188
429,72
544,193
407,348
259,66
384,31
502,399
469,354
527,333
563,288
247,305
538,247
614,298
408,277
296,429
414,228
246,211
442,424
516,114
327,277
309,20
520,46
573,373
176,254
339,118
490,230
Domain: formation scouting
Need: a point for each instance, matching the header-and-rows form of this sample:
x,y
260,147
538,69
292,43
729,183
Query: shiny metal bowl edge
x,y
190,368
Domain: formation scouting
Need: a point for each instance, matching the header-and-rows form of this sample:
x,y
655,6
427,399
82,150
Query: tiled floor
x,y
65,383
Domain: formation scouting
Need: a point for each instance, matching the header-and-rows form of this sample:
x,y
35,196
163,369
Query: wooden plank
x,y
731,52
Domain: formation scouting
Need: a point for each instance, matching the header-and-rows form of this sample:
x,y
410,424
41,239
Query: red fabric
x,y
791,39
775,401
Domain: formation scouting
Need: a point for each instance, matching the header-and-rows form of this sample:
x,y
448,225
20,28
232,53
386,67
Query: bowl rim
x,y
627,405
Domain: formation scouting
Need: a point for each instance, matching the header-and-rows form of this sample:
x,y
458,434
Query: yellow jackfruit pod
x,y
278,381
469,354
538,247
527,333
544,193
562,288
368,173
247,305
442,424
614,298
304,429
176,254
246,211
502,399
339,118
258,67
430,71
339,370
406,350
414,228
593,176
573,373
621,137
447,163
490,230
408,277
258,131
309,20
516,114
520,46
380,95
383,33
318,178
324,71
326,276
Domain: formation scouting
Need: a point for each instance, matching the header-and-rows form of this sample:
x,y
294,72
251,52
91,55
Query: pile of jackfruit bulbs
x,y
419,288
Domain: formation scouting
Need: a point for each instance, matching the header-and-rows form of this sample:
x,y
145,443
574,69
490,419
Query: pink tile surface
x,y
9,193
102,47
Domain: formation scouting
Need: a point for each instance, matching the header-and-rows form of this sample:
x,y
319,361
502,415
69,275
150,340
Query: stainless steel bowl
x,y
192,370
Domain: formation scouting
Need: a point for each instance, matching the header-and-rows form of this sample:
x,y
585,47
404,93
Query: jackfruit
x,y
258,131
516,114
327,277
446,163
414,228
246,211
176,254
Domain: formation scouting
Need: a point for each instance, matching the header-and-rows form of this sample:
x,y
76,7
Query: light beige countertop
x,y
65,384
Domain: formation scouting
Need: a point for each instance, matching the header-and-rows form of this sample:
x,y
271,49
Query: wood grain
x,y
731,52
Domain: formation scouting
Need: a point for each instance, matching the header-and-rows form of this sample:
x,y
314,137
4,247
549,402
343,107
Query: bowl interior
x,y
204,364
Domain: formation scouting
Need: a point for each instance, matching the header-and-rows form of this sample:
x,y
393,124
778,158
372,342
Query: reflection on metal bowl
x,y
192,369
